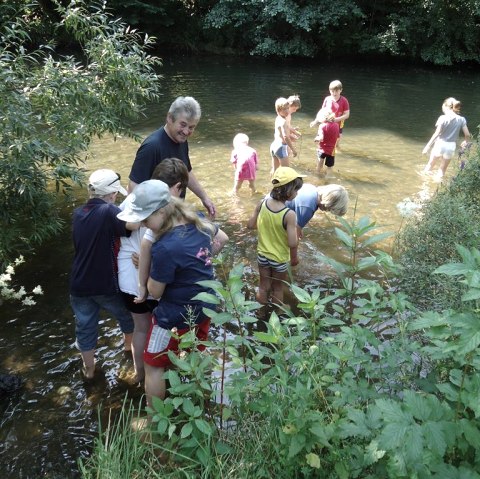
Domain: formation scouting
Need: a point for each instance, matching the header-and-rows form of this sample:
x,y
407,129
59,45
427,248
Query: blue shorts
x,y
87,315
280,152
270,263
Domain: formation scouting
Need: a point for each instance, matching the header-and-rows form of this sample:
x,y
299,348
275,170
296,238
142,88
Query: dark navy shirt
x,y
153,150
96,238
180,258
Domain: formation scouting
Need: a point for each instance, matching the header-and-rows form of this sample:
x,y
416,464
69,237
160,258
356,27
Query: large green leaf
x,y
297,443
376,239
302,295
392,411
186,430
344,237
207,298
203,426
452,269
469,342
418,405
414,444
435,438
321,434
265,337
471,295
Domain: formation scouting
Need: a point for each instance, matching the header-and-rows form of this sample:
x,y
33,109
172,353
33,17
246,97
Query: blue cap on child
x,y
148,197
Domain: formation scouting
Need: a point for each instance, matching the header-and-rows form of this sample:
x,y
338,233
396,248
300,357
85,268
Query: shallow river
x,y
54,419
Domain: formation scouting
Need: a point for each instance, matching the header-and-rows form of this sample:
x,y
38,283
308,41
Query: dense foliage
x,y
51,106
357,385
429,240
442,33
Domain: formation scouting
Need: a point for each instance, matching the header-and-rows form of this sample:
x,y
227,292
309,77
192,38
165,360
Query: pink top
x,y
338,107
245,160
330,132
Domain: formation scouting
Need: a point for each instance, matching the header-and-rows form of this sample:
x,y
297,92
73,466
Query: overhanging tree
x,y
285,28
52,105
441,33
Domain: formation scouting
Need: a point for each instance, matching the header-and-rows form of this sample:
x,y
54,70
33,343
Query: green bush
x,y
120,451
451,217
51,105
358,386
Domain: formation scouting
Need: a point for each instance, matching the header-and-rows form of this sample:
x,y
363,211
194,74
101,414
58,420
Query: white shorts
x,y
445,149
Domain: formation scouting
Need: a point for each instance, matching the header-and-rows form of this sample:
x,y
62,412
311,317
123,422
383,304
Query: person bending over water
x,y
311,198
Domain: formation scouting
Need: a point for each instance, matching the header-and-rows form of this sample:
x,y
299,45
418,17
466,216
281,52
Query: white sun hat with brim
x,y
148,197
104,182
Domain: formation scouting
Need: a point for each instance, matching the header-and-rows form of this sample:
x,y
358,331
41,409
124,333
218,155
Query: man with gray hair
x,y
170,141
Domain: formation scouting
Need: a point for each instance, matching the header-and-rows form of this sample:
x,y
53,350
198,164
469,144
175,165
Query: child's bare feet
x,y
127,341
261,297
88,372
329,173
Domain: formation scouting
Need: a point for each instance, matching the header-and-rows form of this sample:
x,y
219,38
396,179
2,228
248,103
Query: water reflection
x,y
53,420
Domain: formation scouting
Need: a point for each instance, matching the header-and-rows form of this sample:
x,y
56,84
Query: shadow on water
x,y
53,420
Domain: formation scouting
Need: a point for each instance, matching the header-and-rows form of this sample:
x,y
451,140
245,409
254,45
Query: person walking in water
x,y
245,161
96,232
181,260
282,140
444,139
174,173
337,103
295,105
327,137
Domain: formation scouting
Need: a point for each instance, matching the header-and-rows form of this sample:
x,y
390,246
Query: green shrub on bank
x,y
120,451
451,217
52,105
358,386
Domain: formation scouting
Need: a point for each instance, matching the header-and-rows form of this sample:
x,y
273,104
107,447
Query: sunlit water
x,y
54,419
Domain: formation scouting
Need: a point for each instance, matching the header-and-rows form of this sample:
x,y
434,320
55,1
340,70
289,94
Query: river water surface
x,y
54,419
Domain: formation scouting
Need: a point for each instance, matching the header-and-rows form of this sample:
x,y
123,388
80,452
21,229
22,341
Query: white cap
x,y
104,182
